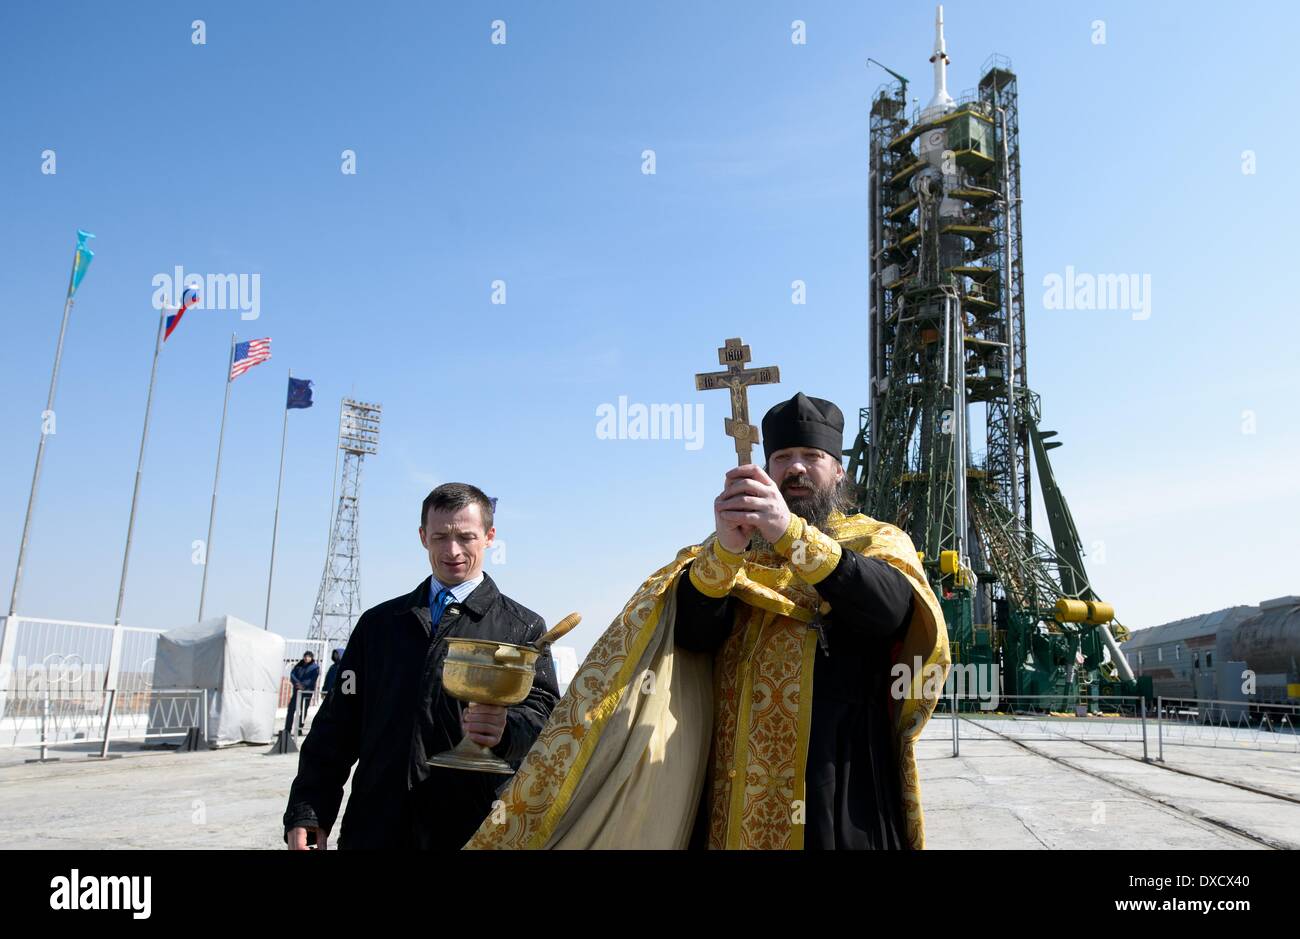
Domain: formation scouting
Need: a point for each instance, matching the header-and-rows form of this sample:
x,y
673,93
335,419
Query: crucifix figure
x,y
734,354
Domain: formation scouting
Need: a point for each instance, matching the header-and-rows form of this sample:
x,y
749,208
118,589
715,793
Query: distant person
x,y
328,686
390,713
303,678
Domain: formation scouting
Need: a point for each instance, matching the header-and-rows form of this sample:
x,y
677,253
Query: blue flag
x,y
299,394
81,263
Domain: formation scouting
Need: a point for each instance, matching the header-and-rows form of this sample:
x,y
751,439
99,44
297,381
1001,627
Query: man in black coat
x,y
303,678
388,712
328,685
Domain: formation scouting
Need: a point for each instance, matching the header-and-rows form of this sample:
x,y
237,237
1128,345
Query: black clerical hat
x,y
804,422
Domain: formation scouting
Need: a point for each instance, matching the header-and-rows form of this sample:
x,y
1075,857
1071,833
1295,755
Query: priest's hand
x,y
485,724
750,501
732,535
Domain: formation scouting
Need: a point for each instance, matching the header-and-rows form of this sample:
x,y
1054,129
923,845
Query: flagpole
x,y
212,514
40,447
275,526
139,467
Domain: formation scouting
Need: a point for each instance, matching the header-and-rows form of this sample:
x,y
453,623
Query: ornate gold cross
x,y
734,354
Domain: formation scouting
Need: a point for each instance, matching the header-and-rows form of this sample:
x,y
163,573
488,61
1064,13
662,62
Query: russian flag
x,y
188,299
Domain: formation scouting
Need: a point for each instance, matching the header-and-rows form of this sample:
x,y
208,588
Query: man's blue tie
x,y
438,605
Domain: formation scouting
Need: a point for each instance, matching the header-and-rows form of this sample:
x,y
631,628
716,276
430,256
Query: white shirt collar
x,y
458,592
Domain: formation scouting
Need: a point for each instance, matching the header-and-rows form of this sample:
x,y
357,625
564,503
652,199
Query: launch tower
x,y
951,442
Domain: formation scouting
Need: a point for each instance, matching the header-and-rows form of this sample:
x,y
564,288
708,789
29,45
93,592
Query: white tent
x,y
240,665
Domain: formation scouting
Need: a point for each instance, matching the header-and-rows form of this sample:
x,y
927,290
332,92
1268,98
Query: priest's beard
x,y
814,508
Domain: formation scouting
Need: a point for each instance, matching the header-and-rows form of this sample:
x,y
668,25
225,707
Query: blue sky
x,y
522,162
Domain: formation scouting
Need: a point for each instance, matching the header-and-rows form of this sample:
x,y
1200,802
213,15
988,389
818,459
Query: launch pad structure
x,y
948,345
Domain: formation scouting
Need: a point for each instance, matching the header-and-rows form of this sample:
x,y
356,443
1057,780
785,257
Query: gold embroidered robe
x,y
625,754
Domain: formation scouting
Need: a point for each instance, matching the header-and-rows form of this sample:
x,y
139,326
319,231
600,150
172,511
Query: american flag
x,y
248,354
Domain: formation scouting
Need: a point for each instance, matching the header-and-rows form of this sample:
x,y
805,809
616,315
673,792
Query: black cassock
x,y
853,789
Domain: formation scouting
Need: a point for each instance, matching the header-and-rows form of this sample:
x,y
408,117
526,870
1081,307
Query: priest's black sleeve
x,y
703,623
877,594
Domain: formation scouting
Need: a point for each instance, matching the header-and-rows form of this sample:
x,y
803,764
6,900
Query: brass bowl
x,y
484,672
481,671
488,672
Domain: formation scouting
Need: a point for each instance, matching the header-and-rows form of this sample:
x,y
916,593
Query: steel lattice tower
x,y
948,371
338,602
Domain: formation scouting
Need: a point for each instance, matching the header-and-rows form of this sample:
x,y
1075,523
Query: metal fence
x,y
1117,719
1211,722
91,682
51,717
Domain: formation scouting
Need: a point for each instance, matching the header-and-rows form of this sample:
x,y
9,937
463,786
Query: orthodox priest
x,y
763,690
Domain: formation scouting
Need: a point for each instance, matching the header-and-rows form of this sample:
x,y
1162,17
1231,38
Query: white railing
x,y
73,682
48,717
1212,722
75,656
1119,719
1040,717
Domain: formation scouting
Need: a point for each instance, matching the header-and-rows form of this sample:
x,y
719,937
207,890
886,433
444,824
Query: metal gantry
x,y
338,601
948,367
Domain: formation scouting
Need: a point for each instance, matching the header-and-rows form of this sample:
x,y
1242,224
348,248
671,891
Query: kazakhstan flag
x,y
81,263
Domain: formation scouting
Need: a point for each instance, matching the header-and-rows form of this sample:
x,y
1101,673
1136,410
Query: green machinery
x,y
948,368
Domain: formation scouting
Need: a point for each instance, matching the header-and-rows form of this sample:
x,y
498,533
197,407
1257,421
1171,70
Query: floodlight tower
x,y
338,602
